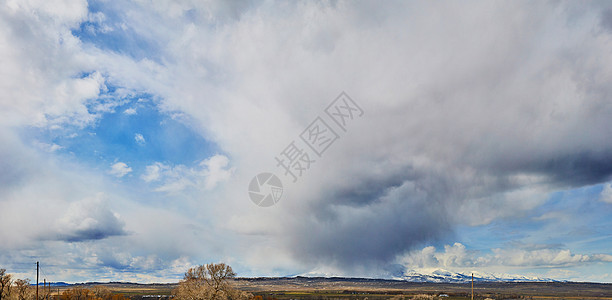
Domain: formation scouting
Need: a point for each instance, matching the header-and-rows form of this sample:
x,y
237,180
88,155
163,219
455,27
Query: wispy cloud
x,y
206,175
140,140
154,172
120,169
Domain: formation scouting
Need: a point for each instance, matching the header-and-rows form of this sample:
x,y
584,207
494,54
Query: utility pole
x,y
45,288
472,286
37,280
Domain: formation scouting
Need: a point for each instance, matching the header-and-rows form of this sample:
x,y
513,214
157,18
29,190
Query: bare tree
x,y
101,292
77,293
209,282
23,288
5,284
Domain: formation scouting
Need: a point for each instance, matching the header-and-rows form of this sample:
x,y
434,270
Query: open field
x,y
351,288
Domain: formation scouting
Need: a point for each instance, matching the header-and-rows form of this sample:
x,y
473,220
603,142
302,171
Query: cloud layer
x,y
474,114
457,256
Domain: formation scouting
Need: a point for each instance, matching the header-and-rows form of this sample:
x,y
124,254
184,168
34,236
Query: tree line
x,y
14,289
204,282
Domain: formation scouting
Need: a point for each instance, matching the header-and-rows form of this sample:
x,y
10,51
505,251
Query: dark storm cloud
x,y
579,169
562,169
370,238
88,235
361,190
371,218
81,235
490,140
370,221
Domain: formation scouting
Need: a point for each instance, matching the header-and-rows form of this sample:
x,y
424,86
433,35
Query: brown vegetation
x,y
5,284
20,289
96,293
209,282
23,289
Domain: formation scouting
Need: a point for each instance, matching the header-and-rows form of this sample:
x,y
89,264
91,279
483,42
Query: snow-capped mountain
x,y
440,275
435,275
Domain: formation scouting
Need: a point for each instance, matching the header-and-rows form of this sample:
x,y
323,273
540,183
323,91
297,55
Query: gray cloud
x,y
370,235
89,219
483,126
467,120
577,169
606,19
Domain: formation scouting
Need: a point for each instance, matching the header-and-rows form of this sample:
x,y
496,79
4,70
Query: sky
x,y
406,135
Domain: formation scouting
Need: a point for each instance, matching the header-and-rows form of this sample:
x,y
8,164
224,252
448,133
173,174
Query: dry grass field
x,y
345,288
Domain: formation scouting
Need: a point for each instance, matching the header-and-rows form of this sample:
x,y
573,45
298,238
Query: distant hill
x,y
54,284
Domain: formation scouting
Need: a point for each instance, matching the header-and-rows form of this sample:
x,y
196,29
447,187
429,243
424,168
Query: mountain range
x,y
436,275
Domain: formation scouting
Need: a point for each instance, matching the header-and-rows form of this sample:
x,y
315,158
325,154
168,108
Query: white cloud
x,y
606,193
455,255
545,257
601,257
140,140
130,111
89,219
48,147
99,19
206,176
215,170
153,172
458,257
175,185
120,169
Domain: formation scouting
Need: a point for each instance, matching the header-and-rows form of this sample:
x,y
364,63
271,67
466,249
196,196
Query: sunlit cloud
x,y
120,169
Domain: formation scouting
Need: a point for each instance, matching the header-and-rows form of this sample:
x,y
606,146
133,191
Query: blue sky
x,y
135,132
131,132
